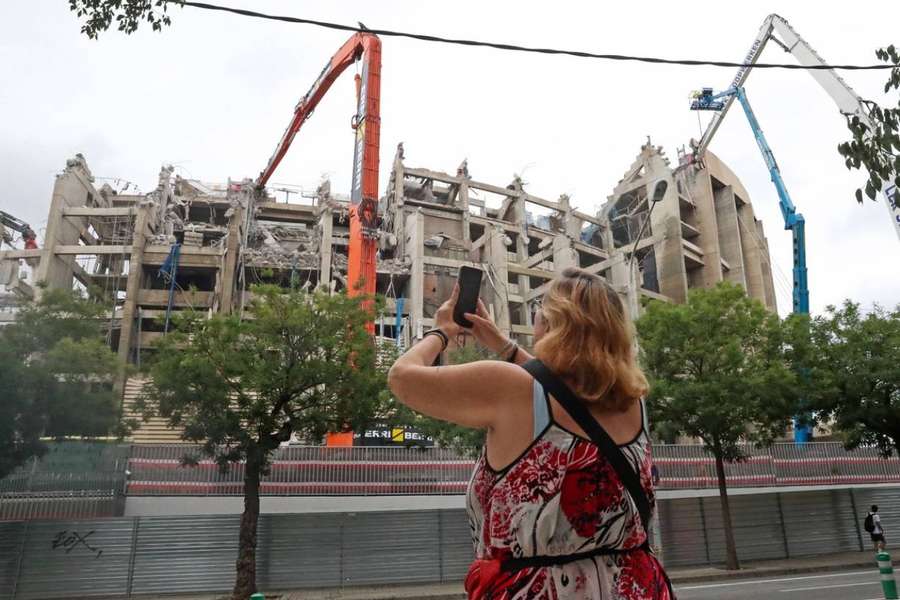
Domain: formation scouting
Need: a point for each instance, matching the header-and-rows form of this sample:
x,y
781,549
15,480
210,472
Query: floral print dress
x,y
561,498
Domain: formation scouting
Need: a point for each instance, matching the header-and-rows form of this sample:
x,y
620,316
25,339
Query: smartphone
x,y
469,281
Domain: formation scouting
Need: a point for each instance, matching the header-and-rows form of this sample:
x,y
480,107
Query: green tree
x,y
718,371
56,376
857,365
128,14
298,364
877,148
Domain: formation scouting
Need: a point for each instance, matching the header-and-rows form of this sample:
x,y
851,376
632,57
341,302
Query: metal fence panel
x,y
11,537
820,522
160,555
66,559
888,502
185,554
406,540
59,505
683,532
757,528
457,551
299,551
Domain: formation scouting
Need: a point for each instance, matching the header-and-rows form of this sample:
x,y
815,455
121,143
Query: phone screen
x,y
469,287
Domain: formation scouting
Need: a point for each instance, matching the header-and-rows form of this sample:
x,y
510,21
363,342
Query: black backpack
x,y
869,523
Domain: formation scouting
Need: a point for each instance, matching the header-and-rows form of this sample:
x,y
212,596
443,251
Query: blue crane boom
x,y
793,221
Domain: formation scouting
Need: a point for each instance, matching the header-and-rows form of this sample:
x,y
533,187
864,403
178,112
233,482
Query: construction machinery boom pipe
x,y
848,101
364,47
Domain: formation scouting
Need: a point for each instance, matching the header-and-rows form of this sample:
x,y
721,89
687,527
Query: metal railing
x,y
317,471
305,471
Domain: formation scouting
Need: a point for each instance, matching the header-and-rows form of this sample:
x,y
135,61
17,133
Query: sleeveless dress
x,y
559,498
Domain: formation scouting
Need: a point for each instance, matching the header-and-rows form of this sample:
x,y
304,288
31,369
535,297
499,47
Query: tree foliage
x,y
56,376
719,371
298,364
877,148
857,366
99,15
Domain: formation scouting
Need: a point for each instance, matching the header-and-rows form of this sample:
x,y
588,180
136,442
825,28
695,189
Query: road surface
x,y
857,584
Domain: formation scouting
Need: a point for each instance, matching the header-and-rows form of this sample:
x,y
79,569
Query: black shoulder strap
x,y
579,412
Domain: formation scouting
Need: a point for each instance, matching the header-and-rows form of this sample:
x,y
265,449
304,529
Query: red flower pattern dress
x,y
562,497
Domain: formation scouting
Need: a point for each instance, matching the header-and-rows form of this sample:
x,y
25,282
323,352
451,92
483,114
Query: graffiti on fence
x,y
69,540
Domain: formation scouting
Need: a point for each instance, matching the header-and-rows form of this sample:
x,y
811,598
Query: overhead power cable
x,y
515,48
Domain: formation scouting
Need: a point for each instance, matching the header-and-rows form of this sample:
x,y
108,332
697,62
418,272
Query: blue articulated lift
x,y
706,99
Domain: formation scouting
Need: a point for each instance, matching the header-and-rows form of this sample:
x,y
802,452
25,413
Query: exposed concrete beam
x,y
181,298
195,250
88,211
444,262
494,189
434,209
17,254
588,249
429,174
543,255
185,260
521,270
62,250
585,217
489,222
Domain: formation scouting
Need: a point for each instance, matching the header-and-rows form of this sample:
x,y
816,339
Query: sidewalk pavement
x,y
678,575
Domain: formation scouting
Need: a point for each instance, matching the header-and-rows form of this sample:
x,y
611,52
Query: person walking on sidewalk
x,y
561,499
872,524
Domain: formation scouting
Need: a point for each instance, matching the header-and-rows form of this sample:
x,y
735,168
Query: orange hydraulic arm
x,y
367,123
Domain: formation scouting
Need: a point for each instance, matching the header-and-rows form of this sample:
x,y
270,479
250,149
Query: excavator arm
x,y
365,47
7,221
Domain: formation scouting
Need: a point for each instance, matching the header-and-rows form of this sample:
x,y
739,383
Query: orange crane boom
x,y
365,47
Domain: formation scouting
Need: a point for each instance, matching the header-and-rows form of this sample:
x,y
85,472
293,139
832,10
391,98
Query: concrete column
x,y
229,268
709,240
753,253
414,236
522,256
564,255
497,258
326,216
133,289
399,221
729,236
463,203
71,188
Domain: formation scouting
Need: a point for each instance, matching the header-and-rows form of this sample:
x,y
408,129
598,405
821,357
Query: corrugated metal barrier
x,y
123,557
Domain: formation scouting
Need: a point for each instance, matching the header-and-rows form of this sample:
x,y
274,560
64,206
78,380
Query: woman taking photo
x,y
561,498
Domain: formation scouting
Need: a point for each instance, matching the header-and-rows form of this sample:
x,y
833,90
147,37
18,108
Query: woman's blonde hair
x,y
589,341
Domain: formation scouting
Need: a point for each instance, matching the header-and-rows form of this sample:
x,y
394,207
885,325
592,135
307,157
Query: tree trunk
x,y
731,559
245,581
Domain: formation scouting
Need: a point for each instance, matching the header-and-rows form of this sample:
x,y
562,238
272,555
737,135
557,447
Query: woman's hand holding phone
x,y
443,318
485,330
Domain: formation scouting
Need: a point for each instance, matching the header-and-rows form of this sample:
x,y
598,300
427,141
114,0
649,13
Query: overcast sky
x,y
213,93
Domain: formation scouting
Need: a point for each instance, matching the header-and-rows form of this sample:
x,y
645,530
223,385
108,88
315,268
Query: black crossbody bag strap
x,y
579,412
